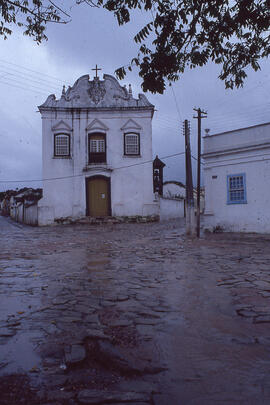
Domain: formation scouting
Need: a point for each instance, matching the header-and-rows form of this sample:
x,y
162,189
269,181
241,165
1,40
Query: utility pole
x,y
201,114
190,218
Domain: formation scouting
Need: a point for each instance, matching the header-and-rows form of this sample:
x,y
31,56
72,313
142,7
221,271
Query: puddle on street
x,y
20,292
18,352
12,306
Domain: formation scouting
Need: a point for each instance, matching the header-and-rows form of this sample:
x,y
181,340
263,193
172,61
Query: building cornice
x,y
93,109
236,149
236,130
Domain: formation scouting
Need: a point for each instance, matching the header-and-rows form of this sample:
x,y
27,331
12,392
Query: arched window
x,y
131,143
61,145
97,148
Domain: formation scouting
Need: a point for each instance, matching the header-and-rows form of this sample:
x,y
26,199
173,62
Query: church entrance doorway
x,y
98,198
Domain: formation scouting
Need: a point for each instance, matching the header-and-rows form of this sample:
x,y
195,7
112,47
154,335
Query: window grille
x,y
61,145
97,148
132,145
236,185
97,145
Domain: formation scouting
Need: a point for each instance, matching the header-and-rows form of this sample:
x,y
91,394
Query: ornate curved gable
x,y
97,94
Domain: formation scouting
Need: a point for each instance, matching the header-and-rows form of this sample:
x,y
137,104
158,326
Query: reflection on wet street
x,y
133,314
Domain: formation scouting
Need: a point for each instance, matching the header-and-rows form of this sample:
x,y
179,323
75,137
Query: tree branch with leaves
x,y
180,34
31,15
191,33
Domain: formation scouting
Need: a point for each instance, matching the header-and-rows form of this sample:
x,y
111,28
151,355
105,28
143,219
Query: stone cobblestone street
x,y
133,314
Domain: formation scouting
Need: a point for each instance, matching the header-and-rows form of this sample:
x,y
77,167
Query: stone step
x,y
108,220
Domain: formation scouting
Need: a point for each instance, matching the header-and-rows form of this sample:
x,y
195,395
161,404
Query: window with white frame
x,y
97,148
61,145
97,145
236,189
131,144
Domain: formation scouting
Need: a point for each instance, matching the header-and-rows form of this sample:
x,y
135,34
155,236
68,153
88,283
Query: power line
x,y
244,111
176,103
193,157
236,117
27,85
60,9
254,113
31,70
24,76
82,175
240,123
23,88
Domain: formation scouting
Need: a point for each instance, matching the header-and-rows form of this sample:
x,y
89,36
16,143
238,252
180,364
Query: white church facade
x,y
96,152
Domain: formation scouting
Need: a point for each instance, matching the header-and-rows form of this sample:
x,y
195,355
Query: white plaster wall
x,y
57,193
238,152
131,187
171,208
45,214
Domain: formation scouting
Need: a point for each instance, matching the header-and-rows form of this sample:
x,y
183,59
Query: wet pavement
x,y
133,314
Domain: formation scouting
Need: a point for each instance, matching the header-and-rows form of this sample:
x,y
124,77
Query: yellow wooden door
x,y
98,197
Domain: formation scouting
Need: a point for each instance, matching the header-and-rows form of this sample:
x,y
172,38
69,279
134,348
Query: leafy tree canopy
x,y
180,33
31,15
190,33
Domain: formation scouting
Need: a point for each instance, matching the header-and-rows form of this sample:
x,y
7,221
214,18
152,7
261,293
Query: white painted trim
x,y
61,126
131,124
96,124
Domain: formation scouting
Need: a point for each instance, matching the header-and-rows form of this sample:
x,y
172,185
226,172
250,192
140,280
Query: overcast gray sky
x,y
28,73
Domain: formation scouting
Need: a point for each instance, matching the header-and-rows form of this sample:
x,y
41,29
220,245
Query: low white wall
x,y
171,189
12,211
25,215
31,215
171,208
45,214
20,213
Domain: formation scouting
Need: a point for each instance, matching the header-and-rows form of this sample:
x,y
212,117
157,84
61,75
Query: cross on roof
x,y
96,69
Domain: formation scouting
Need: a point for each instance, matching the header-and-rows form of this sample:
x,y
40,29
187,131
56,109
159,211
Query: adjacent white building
x,y
97,152
236,174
